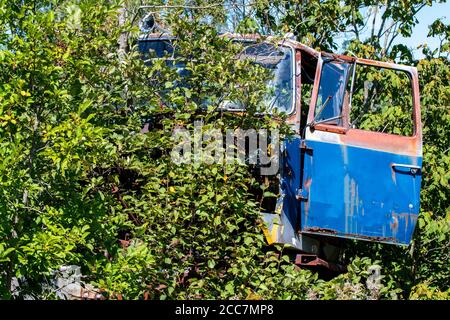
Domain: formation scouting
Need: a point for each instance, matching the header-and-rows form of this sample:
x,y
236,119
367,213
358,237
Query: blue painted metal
x,y
355,192
291,180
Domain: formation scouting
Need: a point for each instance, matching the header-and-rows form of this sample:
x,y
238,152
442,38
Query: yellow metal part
x,y
271,229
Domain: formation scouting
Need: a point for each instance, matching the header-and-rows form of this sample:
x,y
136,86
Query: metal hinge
x,y
305,148
301,195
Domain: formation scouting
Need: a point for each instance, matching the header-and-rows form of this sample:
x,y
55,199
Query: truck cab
x,y
352,169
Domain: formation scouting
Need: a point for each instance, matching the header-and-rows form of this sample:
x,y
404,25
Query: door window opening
x,y
382,101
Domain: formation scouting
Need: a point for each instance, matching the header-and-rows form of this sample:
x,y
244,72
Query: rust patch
x,y
311,260
308,184
406,216
394,224
372,239
351,235
382,141
321,230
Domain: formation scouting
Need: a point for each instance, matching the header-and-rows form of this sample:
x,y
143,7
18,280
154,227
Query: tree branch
x,y
181,6
372,33
383,21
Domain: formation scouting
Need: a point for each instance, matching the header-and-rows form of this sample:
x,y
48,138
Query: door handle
x,y
413,168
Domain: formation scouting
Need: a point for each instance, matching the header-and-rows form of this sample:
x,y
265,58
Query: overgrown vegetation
x,y
80,185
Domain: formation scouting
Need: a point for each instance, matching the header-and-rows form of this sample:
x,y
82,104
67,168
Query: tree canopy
x,y
79,184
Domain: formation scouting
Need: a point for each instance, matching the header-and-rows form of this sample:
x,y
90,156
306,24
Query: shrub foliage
x,y
79,183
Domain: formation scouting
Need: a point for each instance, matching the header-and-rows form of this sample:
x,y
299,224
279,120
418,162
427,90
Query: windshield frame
x,y
281,43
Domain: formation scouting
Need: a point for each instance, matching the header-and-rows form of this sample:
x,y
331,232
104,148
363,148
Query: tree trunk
x,y
123,39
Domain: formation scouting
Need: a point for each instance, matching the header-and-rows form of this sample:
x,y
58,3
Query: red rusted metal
x,y
312,260
331,232
321,230
339,56
374,140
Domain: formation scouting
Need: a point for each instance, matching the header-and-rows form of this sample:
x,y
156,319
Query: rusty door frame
x,y
365,138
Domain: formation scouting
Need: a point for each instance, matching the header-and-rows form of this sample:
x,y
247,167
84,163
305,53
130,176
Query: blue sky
x,y
426,17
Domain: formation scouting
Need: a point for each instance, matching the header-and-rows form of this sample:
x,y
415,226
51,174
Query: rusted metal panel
x,y
312,260
411,146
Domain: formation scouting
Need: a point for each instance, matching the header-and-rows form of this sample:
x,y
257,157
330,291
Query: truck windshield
x,y
277,59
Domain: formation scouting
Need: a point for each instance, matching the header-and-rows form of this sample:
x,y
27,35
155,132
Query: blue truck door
x,y
357,183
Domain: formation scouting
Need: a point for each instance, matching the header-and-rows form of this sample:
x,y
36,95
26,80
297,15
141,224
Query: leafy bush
x,y
80,185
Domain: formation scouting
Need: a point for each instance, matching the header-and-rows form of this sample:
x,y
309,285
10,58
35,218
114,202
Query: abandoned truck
x,y
340,177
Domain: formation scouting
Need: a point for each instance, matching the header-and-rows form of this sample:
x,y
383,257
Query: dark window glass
x,y
279,61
